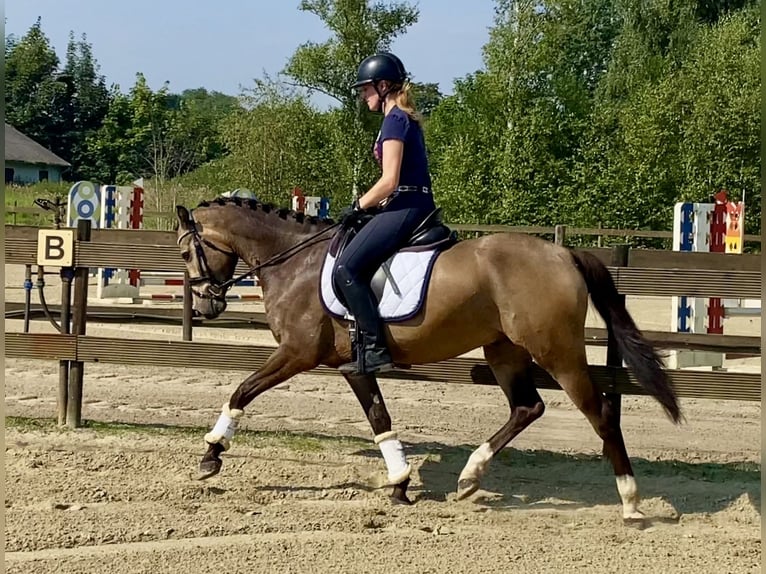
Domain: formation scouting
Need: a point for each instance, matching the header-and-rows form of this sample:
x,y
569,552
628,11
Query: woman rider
x,y
402,197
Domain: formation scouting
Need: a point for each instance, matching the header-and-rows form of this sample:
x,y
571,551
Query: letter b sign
x,y
55,247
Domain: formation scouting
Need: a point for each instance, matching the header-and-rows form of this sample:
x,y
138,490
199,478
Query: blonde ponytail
x,y
405,101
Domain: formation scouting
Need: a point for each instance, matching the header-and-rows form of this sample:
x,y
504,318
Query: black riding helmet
x,y
378,67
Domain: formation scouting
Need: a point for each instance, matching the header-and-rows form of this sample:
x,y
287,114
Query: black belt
x,y
408,188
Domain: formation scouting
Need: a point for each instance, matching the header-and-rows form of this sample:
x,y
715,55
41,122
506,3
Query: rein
x,y
220,288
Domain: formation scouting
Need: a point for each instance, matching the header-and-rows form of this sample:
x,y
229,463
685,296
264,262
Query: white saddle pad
x,y
410,271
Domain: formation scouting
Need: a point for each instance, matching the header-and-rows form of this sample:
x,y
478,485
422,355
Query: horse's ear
x,y
184,219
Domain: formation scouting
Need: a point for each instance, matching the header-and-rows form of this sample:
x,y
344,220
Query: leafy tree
x,y
112,159
464,141
278,142
33,97
718,91
87,104
200,117
427,97
676,119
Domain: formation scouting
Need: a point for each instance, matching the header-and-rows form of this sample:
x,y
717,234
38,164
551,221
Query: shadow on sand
x,y
540,479
546,479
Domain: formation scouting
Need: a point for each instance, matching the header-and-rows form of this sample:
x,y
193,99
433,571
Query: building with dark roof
x,y
26,161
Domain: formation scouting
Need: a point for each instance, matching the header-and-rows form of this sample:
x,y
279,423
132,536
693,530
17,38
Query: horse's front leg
x,y
366,389
279,367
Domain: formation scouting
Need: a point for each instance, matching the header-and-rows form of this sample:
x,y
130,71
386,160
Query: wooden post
x,y
74,405
613,356
188,314
67,273
560,233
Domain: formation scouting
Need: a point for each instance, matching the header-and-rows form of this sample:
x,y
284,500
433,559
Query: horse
x,y
521,298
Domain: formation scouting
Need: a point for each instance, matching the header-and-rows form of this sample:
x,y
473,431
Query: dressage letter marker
x,y
55,247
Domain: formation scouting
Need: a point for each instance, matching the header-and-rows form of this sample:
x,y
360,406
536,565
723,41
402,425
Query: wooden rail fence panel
x,y
257,320
691,282
21,248
214,356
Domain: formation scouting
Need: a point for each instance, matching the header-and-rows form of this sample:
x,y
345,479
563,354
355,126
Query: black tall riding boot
x,y
372,353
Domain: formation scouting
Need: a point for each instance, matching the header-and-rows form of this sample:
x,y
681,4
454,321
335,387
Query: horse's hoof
x,y
401,500
635,520
399,494
208,468
466,487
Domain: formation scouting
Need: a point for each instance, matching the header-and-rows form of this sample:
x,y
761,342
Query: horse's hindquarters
x,y
501,286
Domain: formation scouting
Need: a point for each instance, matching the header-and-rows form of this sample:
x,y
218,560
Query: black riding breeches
x,y
376,241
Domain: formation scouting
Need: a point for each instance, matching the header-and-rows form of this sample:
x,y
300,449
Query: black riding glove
x,y
350,214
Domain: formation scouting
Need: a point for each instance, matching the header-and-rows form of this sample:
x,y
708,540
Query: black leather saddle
x,y
430,234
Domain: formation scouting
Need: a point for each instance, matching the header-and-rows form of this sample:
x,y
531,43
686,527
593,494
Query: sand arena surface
x,y
300,491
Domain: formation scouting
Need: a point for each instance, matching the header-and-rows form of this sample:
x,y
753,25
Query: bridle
x,y
216,289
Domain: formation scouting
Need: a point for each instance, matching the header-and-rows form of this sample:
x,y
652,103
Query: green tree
x,y
677,116
464,140
112,159
87,104
34,99
427,97
277,141
523,117
200,118
718,91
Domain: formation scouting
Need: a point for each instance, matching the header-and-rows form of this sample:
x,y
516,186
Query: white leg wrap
x,y
393,453
224,429
477,463
626,486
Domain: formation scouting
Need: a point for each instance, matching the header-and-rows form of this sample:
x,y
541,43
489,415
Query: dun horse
x,y
521,298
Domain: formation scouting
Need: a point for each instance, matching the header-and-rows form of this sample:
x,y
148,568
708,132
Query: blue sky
x,y
192,44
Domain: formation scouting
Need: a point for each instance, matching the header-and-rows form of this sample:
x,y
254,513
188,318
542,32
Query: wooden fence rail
x,y
197,355
598,232
706,274
734,344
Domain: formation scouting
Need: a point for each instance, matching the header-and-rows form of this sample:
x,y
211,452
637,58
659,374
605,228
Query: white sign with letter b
x,y
55,247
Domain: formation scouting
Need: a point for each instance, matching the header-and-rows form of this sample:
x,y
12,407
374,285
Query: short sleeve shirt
x,y
399,126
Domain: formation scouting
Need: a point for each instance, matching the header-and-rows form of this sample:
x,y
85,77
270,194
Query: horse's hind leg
x,y
572,374
366,389
512,367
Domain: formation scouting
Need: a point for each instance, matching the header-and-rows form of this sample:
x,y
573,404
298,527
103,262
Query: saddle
x,y
432,233
399,283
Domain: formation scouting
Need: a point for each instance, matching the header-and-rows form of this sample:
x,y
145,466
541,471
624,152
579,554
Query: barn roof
x,y
21,148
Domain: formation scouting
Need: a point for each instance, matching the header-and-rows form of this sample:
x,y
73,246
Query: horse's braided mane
x,y
281,212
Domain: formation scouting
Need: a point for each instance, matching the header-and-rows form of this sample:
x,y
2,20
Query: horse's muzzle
x,y
210,308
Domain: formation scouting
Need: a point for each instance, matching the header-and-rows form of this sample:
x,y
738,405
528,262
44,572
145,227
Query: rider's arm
x,y
389,180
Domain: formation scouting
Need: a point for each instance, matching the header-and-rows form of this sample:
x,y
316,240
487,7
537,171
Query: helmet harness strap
x,y
381,94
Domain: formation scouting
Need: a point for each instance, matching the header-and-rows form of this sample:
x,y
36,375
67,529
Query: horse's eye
x,y
186,256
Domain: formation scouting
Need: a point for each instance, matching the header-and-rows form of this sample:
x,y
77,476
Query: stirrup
x,y
363,366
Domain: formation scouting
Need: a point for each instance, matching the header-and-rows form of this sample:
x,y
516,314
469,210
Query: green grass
x,y
24,196
298,442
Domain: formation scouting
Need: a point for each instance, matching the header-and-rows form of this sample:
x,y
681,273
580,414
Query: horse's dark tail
x,y
635,349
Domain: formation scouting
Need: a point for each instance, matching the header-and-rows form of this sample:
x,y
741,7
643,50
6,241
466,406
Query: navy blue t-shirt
x,y
398,125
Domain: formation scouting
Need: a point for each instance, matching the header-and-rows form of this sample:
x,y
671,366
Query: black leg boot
x,y
373,355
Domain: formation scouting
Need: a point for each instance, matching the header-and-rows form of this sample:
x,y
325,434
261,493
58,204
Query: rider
x,y
402,197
